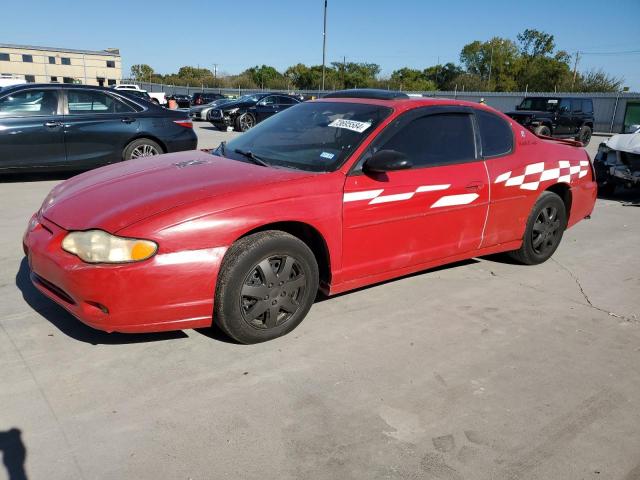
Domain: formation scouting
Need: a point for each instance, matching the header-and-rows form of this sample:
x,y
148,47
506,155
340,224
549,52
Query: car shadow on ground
x,y
627,197
70,326
37,176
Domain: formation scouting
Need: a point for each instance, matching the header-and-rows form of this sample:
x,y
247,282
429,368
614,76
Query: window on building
x,y
112,81
54,79
29,103
30,78
52,60
68,80
83,101
4,57
440,139
27,58
497,137
65,61
111,64
100,81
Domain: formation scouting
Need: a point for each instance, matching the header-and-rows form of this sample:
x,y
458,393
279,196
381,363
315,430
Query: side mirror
x,y
385,161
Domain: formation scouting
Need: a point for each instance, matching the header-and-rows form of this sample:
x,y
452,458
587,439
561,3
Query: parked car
x,y
63,126
202,112
335,194
617,162
249,110
155,97
183,101
139,93
10,80
557,117
202,98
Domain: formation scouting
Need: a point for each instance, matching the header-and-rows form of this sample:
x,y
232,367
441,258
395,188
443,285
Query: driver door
x,y
434,210
266,107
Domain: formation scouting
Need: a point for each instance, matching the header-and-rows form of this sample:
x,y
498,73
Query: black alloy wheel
x,y
545,230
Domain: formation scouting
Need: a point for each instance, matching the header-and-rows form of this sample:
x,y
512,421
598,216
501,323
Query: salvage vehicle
x,y
202,98
617,162
333,194
247,111
557,117
156,97
77,127
183,100
203,112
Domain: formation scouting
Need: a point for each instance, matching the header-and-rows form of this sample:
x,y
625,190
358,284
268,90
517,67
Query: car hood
x,y
114,197
625,142
230,105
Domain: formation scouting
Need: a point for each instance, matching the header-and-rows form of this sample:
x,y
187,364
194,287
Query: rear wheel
x,y
543,130
267,284
584,135
142,147
545,226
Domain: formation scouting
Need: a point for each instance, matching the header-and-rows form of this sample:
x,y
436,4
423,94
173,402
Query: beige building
x,y
63,65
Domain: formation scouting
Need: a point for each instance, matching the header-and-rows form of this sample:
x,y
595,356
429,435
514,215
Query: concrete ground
x,y
479,370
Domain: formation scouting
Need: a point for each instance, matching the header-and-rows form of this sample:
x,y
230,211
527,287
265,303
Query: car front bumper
x,y
170,291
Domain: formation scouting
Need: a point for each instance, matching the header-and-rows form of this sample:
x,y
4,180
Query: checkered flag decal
x,y
535,173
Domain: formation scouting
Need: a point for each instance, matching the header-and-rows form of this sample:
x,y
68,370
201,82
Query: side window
x,y
576,105
496,134
439,139
29,103
83,102
268,100
565,105
286,101
587,106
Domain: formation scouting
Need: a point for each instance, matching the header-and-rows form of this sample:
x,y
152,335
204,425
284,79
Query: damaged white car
x,y
618,162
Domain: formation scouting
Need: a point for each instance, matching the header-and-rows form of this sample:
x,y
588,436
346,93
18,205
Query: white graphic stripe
x,y
530,186
365,195
432,188
450,200
550,174
502,177
584,163
515,181
564,164
582,173
392,198
534,168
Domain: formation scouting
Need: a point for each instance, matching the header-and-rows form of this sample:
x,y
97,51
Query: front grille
x,y
215,114
57,291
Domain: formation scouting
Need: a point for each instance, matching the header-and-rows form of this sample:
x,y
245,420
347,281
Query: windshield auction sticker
x,y
353,125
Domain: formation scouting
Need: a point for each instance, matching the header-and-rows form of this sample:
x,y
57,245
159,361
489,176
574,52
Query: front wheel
x,y
266,286
545,226
142,147
244,122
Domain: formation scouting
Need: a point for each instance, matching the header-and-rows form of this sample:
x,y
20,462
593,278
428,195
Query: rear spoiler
x,y
565,141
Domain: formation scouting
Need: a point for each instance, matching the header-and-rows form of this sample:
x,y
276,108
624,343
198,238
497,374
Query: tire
x,y
542,130
253,300
244,122
141,147
584,135
545,226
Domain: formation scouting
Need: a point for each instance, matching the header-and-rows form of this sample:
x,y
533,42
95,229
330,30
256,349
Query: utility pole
x,y
215,73
575,70
324,42
344,69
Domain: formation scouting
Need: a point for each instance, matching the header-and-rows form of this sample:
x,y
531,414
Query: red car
x,y
332,194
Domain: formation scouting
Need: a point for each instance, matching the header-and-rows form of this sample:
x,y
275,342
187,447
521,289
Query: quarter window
x,y
84,102
439,139
29,103
27,58
496,133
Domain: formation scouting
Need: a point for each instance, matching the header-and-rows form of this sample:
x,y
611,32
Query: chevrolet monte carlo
x,y
355,188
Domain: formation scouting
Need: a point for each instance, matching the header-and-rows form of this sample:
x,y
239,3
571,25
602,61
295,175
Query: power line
x,y
624,52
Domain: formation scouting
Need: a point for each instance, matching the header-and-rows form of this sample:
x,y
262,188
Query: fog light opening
x,y
99,306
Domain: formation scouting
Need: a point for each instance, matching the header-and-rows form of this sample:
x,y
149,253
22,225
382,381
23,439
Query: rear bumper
x,y
182,141
170,291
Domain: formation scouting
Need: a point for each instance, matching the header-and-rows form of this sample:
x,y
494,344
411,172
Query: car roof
x,y
25,86
403,104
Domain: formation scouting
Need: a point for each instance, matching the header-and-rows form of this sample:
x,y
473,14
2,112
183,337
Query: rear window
x,y
496,133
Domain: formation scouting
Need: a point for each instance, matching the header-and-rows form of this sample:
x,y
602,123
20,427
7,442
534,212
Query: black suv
x,y
248,110
202,98
557,117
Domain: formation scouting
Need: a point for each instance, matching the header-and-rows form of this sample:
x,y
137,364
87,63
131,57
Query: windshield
x,y
313,136
540,104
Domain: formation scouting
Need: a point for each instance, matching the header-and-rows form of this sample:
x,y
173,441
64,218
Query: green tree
x,y
412,80
443,75
264,76
598,81
495,61
141,72
534,43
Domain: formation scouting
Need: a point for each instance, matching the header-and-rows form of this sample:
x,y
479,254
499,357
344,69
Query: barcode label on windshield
x,y
353,125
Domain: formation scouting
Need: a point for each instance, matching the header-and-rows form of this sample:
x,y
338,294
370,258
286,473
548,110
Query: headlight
x,y
232,111
97,246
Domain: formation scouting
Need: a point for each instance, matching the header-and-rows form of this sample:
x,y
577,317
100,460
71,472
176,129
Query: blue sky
x,y
397,33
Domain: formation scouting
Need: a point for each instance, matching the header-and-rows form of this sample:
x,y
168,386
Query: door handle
x,y
128,120
52,124
475,186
